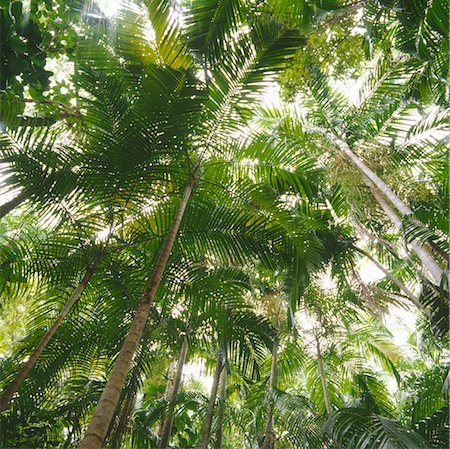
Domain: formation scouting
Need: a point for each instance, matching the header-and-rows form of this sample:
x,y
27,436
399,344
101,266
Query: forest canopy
x,y
224,224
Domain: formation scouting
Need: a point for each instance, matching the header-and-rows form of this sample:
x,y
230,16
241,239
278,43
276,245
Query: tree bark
x,y
12,204
413,298
206,432
107,404
116,440
425,257
14,386
221,410
268,434
323,379
167,425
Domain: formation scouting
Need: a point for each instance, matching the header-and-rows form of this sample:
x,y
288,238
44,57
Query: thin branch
x,y
53,39
50,102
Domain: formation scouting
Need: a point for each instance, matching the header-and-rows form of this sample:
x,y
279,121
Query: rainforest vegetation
x,y
224,224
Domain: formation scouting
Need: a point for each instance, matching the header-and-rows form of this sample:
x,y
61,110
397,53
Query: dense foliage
x,y
224,224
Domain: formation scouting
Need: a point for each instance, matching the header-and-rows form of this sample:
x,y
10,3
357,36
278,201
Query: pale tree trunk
x,y
168,422
388,193
268,434
169,388
373,237
379,183
12,204
206,432
413,298
14,386
389,246
120,432
425,257
107,404
323,379
221,410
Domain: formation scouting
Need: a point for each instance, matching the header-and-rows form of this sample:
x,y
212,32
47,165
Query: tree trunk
x,y
14,386
413,298
323,379
167,425
107,404
168,391
206,432
221,410
373,237
116,440
380,186
12,204
379,183
426,258
268,434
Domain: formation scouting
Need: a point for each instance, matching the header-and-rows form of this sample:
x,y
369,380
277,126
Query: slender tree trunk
x,y
426,258
403,208
14,386
323,379
206,432
116,440
373,237
413,298
268,434
12,204
107,404
381,186
221,410
379,183
167,425
168,391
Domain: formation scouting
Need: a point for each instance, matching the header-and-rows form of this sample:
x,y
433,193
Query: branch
x,y
52,40
349,9
26,120
50,102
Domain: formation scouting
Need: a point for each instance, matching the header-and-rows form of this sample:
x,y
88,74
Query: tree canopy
x,y
224,224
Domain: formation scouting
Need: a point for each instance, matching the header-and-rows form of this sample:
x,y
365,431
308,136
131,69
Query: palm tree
x,y
325,108
167,425
263,59
28,365
218,443
212,205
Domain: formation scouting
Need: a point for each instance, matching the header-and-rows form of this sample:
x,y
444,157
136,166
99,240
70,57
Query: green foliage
x,y
263,267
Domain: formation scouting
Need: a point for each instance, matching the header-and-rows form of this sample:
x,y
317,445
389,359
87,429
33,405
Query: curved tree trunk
x,y
426,258
373,237
413,298
116,440
168,422
206,432
107,404
12,204
268,434
14,386
323,379
221,410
